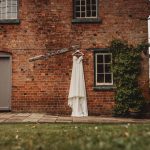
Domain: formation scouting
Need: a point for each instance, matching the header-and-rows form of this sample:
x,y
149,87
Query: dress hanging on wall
x,y
77,94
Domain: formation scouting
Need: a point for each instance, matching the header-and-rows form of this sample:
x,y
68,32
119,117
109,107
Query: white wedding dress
x,y
77,93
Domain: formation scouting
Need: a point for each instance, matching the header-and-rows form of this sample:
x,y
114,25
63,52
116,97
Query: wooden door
x,y
5,81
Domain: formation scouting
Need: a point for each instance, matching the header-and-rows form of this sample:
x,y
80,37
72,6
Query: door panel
x,y
5,82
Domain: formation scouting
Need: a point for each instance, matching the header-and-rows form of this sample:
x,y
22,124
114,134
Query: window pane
x,y
8,9
100,68
83,8
3,16
3,9
77,8
94,7
14,9
107,58
77,14
3,3
100,59
77,2
9,3
88,8
82,14
107,68
14,2
82,2
9,15
94,13
93,1
88,14
13,15
100,78
88,2
108,78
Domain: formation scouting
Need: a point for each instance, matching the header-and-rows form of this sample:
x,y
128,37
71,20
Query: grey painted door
x,y
5,81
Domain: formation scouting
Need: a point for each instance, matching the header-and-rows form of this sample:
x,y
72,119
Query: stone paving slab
x,y
13,121
6,115
47,118
34,117
2,120
23,114
64,119
34,120
80,119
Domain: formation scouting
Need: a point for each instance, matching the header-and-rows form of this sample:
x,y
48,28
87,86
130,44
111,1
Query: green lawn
x,y
74,137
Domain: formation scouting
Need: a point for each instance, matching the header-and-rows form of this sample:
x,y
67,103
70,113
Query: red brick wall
x,y
42,86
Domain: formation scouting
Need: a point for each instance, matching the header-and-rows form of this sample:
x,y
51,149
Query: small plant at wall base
x,y
126,68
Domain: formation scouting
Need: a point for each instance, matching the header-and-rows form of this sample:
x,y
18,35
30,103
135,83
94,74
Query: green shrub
x,y
126,69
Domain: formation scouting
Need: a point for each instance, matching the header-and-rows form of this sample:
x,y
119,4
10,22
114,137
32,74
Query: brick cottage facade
x,y
30,28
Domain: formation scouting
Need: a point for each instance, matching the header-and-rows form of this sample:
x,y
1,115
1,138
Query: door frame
x,y
9,56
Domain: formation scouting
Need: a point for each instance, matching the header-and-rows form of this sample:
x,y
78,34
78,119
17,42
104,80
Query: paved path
x,y
46,118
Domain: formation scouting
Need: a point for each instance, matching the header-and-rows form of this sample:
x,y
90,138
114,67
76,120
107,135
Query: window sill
x,y
86,20
9,21
104,88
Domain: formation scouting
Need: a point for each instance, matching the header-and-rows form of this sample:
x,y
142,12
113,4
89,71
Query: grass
x,y
74,137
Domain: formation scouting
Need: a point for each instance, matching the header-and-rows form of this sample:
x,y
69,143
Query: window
x,y
103,74
8,10
86,10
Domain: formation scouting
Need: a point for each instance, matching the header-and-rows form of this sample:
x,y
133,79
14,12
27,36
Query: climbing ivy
x,y
126,69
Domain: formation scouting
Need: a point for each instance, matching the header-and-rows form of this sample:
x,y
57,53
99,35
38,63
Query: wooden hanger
x,y
78,52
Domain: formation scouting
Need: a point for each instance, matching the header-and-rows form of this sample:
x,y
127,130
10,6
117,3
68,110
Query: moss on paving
x,y
74,137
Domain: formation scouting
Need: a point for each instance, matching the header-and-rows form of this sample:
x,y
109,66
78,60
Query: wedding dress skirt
x,y
77,94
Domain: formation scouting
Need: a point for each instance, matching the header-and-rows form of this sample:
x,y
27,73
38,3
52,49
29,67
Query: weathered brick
x,y
43,86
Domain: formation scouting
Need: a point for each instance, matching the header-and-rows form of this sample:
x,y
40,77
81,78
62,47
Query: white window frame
x,y
5,11
96,10
96,73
